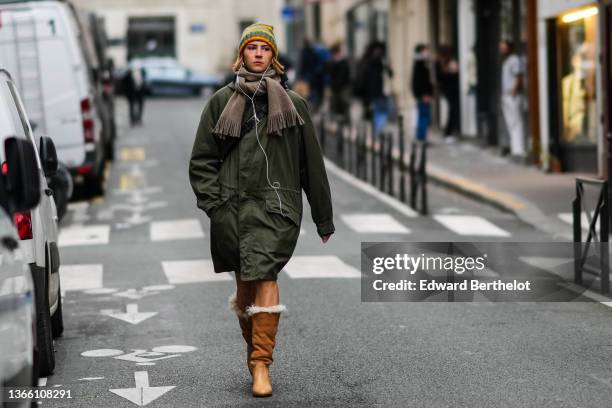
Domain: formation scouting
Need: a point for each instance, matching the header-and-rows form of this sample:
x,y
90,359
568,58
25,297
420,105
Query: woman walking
x,y
254,152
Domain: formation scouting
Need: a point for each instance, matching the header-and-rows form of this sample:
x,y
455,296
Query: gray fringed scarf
x,y
281,111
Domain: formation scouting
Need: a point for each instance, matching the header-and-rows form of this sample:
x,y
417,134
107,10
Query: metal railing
x,y
601,214
379,159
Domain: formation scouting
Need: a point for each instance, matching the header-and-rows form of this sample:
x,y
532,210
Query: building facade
x,y
201,34
570,83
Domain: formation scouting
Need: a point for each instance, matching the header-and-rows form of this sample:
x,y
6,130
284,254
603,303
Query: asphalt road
x,y
146,323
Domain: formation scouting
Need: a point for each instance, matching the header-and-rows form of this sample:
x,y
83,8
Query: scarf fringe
x,y
284,120
226,126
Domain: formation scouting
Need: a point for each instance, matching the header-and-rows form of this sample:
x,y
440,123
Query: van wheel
x,y
57,320
45,354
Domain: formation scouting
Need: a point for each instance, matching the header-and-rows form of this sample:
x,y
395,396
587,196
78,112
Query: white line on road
x,y
189,228
584,221
371,190
471,225
81,277
313,267
374,223
84,235
200,270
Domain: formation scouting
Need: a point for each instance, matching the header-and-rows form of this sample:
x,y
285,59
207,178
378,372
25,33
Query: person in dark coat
x,y
255,151
134,89
422,90
447,74
371,79
339,73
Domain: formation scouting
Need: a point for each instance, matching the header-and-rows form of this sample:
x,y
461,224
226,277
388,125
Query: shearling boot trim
x,y
251,310
233,305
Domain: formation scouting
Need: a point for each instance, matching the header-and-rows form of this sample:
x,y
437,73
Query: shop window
x,y
151,36
577,36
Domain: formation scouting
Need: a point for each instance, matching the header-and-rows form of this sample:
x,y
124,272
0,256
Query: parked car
x,y
17,306
37,228
47,34
165,76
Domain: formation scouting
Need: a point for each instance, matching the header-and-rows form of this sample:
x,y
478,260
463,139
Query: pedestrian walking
x,y
339,73
311,72
447,74
512,98
255,150
134,89
370,85
422,90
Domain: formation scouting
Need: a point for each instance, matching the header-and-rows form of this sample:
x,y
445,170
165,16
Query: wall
x,y
210,51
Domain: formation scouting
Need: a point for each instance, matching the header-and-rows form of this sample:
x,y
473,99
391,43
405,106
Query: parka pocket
x,y
289,207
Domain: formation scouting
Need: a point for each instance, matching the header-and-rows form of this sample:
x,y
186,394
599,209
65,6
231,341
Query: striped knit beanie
x,y
258,32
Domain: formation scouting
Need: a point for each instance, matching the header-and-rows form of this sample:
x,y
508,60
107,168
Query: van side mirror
x,y
48,156
20,186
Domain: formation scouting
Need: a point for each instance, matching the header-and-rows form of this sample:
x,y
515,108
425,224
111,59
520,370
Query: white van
x,y
40,45
37,228
17,310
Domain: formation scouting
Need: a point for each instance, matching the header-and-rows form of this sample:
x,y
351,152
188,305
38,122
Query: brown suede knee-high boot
x,y
246,327
265,325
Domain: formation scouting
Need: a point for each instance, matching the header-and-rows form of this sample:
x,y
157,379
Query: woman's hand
x,y
325,238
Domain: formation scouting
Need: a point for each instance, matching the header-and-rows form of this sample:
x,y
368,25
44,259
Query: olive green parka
x,y
251,232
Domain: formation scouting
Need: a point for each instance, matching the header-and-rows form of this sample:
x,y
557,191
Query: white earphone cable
x,y
276,185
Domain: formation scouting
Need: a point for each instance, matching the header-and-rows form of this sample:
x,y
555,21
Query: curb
x,y
498,199
522,209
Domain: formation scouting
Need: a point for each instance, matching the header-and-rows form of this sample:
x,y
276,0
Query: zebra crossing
x,y
90,278
367,224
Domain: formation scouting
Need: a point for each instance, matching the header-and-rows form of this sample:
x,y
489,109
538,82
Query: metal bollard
x,y
381,161
372,154
402,163
390,163
423,179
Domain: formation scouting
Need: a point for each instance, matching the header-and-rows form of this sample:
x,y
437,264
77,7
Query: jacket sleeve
x,y
205,163
313,177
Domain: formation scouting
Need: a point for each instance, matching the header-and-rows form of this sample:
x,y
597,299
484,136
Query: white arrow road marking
x,y
132,315
137,218
142,394
145,291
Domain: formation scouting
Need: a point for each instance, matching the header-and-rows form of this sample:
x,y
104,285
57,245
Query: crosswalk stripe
x,y
584,222
374,223
200,270
81,277
326,266
471,225
189,228
77,235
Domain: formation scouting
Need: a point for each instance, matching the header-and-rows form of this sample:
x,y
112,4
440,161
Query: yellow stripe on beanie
x,y
258,32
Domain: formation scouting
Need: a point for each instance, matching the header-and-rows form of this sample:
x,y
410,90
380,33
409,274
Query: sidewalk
x,y
536,197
